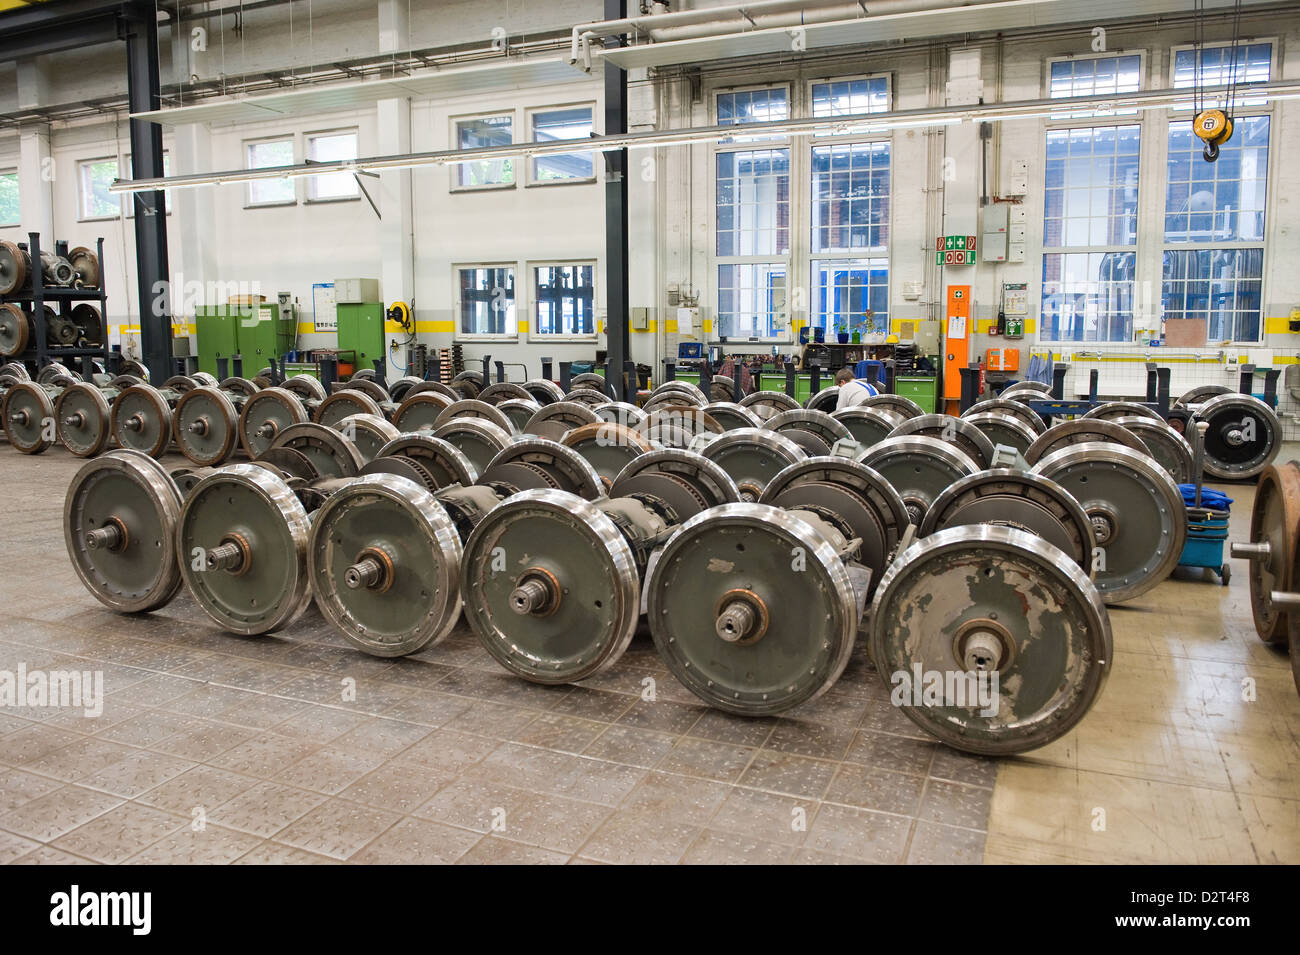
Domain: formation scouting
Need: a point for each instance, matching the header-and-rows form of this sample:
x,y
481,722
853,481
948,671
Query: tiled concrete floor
x,y
216,748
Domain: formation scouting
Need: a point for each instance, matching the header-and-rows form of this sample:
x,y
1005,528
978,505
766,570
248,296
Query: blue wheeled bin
x,y
1207,529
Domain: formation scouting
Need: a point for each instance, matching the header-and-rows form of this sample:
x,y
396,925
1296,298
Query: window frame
x,y
1273,66
533,334
1137,249
245,144
81,189
531,180
13,171
808,85
464,336
816,259
753,143
454,185
1076,117
310,181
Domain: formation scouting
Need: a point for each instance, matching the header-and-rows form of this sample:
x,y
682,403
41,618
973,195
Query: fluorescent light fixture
x,y
868,124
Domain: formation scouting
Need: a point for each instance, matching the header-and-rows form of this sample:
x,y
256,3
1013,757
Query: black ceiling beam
x,y
60,25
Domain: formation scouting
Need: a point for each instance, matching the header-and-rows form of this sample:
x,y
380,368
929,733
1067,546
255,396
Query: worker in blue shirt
x,y
853,391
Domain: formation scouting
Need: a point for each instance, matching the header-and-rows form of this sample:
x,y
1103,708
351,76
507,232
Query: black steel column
x,y
140,31
616,228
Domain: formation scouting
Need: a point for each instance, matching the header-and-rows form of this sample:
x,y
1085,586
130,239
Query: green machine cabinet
x,y
775,381
216,331
922,389
361,330
264,335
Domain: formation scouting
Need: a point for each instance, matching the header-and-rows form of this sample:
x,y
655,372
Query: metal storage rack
x,y
36,294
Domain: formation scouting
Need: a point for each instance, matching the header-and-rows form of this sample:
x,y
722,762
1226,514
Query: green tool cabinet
x,y
256,332
361,331
923,390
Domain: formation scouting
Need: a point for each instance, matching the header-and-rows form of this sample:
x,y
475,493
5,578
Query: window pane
x,y
850,197
477,134
9,210
750,298
752,106
263,155
851,97
844,291
1088,297
332,147
753,202
1091,187
1094,76
96,201
565,298
1252,64
557,124
1221,286
487,301
1221,201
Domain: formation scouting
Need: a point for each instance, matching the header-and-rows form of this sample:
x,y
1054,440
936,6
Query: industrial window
x,y
130,199
850,217
95,176
1089,233
332,147
261,155
565,297
869,94
752,209
1094,76
550,125
1214,230
10,214
1252,63
478,133
487,300
766,105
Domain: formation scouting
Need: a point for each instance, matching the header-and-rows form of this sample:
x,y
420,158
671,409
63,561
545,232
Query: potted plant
x,y
842,330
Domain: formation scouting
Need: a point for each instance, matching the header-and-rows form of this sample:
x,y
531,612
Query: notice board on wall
x,y
324,317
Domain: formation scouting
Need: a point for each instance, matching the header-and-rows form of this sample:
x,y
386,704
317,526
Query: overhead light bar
x,y
859,125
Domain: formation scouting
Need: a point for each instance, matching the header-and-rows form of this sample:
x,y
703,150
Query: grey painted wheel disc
x,y
919,468
478,440
804,622
538,463
518,411
1002,428
814,431
368,432
1169,448
555,420
968,587
1136,510
473,408
584,602
620,412
1081,431
752,457
1113,410
688,482
607,447
444,462
676,426
330,453
1201,394
206,426
868,424
384,563
766,404
898,404
142,420
29,417
543,391
420,410
247,508
83,419
265,415
343,404
500,391
960,432
731,415
1018,499
130,565
305,387
1017,409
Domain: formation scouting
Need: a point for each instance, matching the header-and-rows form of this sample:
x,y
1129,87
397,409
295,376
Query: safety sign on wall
x,y
954,250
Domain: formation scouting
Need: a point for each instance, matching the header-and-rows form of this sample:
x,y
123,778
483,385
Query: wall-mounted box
x,y
639,318
356,291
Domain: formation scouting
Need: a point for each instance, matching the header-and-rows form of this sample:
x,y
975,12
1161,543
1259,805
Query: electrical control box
x,y
356,291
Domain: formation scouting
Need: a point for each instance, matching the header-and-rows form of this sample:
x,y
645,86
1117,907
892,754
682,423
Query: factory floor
x,y
213,748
